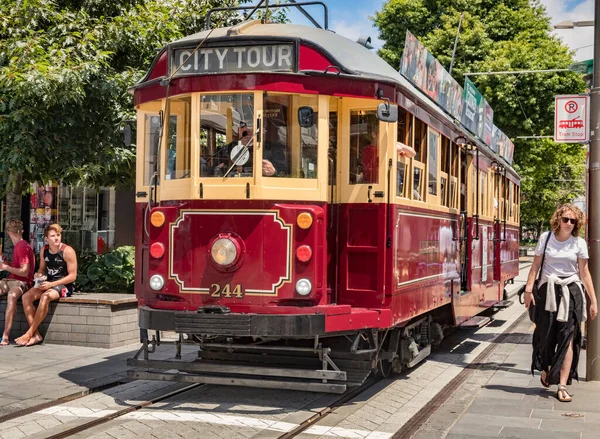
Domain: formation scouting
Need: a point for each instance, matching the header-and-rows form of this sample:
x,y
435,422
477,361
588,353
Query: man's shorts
x,y
8,284
64,290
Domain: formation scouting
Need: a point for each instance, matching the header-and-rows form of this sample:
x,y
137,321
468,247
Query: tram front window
x,y
226,135
364,145
288,149
152,139
179,140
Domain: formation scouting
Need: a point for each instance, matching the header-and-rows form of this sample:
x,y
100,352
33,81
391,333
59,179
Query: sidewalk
x,y
30,376
502,399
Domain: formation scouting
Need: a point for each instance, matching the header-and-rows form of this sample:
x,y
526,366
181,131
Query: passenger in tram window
x,y
53,280
560,302
369,154
243,156
274,158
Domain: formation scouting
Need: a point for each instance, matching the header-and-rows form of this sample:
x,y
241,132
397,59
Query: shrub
x,y
113,271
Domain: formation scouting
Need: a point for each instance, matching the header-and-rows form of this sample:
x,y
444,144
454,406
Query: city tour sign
x,y
572,119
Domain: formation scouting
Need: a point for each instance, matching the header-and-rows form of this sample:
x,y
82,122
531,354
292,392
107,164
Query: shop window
x,y
364,147
179,139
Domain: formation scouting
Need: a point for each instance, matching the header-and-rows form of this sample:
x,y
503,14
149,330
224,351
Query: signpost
x,y
572,119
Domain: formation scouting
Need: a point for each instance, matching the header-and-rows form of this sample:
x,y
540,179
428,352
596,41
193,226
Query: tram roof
x,y
351,57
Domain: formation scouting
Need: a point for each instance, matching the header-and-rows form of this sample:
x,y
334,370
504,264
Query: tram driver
x,y
274,161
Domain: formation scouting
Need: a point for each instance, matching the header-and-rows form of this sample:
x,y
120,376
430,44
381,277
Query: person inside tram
x,y
241,150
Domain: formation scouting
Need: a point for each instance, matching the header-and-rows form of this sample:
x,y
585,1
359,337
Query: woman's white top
x,y
561,257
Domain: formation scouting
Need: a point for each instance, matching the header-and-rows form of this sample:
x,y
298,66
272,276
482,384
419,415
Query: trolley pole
x,y
593,327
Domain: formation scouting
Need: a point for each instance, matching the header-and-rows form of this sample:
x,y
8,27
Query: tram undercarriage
x,y
321,363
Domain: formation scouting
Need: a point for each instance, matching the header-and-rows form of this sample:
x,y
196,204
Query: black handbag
x,y
521,292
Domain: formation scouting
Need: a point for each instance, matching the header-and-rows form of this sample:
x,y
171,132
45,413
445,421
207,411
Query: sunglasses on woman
x,y
567,220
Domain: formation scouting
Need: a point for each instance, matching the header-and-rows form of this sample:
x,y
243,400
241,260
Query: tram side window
x,y
151,142
179,139
420,147
364,147
433,163
454,168
333,141
483,192
445,174
288,149
404,136
226,135
512,199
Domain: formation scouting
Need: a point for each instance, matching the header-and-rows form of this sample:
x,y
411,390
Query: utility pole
x,y
593,327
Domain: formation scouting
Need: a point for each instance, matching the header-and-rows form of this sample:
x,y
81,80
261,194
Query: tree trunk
x,y
14,194
540,224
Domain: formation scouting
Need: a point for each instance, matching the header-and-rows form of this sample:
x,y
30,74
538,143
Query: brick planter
x,y
101,320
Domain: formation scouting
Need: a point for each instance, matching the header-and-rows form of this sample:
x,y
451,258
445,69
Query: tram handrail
x,y
284,5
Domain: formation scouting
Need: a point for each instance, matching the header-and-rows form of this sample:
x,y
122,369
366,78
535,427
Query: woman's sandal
x,y
562,395
545,383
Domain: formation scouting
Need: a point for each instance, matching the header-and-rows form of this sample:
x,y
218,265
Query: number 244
x,y
226,291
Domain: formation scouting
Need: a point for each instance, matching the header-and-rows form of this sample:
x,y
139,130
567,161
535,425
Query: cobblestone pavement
x,y
237,412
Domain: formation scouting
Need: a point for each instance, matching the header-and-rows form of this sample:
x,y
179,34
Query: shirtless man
x,y
59,262
21,270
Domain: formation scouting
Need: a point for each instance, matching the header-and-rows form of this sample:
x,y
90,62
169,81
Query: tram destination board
x,y
234,59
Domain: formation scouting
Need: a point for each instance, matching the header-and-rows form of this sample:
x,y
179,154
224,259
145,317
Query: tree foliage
x,y
502,36
65,68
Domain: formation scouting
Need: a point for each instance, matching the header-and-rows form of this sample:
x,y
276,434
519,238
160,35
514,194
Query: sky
x,y
352,18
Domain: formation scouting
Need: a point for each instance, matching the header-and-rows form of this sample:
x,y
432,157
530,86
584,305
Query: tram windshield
x,y
228,138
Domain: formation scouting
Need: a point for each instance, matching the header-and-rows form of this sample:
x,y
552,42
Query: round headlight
x,y
157,282
224,251
303,287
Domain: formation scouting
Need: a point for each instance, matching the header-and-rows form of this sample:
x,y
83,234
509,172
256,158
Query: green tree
x,y
65,68
502,36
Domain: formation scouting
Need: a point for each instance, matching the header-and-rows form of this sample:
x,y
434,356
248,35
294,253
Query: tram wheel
x,y
384,368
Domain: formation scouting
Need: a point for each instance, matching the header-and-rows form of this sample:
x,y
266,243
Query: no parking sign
x,y
572,119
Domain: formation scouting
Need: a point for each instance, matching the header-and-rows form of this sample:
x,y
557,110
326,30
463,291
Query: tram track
x,y
119,413
416,421
64,399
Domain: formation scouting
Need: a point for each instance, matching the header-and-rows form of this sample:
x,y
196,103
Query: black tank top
x,y
56,266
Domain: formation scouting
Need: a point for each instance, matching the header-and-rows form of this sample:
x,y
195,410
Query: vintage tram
x,y
283,231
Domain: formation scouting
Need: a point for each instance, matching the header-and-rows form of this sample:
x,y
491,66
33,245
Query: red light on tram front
x,y
157,250
304,253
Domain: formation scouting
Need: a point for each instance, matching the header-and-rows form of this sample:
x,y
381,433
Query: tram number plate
x,y
226,291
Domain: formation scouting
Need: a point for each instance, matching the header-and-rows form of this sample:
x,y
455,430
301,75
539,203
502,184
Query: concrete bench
x,y
101,320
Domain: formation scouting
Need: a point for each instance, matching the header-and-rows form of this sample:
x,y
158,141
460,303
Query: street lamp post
x,y
593,233
593,329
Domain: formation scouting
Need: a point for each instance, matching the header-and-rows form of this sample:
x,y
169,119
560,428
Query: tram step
x,y
503,304
475,322
287,384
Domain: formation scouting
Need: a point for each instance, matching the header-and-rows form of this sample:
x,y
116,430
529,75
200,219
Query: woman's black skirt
x,y
551,338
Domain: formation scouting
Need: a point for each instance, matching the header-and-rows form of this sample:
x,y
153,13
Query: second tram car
x,y
281,228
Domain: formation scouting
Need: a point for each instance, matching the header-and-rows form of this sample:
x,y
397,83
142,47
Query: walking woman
x,y
560,302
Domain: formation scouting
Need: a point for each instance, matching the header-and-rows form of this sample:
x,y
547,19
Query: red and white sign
x,y
572,119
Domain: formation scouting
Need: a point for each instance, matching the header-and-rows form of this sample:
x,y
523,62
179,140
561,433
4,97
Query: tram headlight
x,y
303,287
157,282
224,251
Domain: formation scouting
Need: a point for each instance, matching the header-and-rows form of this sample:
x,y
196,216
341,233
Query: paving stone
x,y
526,433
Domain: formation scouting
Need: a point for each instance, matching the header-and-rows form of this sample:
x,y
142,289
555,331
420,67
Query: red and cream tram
x,y
282,230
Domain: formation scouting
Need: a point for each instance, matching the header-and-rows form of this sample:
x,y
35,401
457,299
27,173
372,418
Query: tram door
x,y
362,159
333,199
